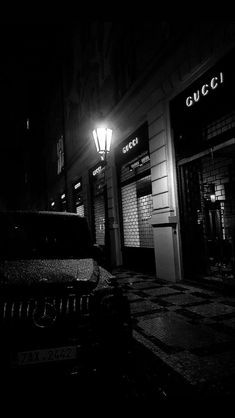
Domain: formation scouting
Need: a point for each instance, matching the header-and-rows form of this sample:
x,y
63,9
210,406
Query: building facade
x,y
166,195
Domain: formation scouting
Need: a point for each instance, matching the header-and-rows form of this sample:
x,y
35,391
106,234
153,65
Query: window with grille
x,y
99,217
80,210
98,203
78,198
137,210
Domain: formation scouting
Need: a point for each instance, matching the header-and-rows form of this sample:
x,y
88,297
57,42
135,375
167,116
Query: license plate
x,y
26,358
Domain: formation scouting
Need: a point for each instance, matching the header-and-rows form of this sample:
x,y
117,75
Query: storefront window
x,y
137,209
135,194
78,198
99,218
204,142
97,177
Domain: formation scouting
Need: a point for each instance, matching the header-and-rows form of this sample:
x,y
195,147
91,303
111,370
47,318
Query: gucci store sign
x,y
130,145
134,145
205,89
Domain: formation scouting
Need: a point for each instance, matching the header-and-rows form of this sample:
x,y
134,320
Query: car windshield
x,y
43,235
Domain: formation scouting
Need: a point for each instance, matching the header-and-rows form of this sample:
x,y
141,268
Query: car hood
x,y
30,272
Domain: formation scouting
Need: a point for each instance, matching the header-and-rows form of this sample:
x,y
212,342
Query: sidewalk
x,y
189,327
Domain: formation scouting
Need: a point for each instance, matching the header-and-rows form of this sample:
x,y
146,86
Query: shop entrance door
x,y
207,215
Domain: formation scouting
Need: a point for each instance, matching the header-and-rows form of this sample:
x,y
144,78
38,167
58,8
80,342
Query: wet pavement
x,y
189,329
183,350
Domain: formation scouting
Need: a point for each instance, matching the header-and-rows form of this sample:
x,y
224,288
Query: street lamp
x,y
102,137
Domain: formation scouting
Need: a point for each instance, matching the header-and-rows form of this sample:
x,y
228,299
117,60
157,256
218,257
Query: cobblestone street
x,y
190,329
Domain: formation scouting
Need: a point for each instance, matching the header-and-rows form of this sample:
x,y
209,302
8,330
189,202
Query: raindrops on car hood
x,y
35,271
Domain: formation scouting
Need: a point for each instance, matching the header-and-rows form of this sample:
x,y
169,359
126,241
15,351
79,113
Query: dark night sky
x,y
28,55
29,61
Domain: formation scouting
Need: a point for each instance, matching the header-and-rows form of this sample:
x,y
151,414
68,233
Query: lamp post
x,y
102,137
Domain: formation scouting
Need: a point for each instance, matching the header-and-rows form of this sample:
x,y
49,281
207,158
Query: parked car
x,y
61,312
